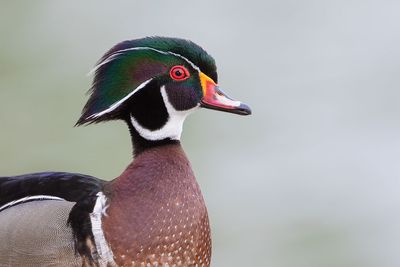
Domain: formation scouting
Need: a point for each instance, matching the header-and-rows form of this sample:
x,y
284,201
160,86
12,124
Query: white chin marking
x,y
172,128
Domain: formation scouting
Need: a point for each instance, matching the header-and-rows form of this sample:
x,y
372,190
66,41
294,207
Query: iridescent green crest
x,y
130,64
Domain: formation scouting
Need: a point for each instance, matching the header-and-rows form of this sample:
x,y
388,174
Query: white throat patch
x,y
171,129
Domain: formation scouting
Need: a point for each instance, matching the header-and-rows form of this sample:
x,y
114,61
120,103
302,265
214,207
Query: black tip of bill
x,y
243,109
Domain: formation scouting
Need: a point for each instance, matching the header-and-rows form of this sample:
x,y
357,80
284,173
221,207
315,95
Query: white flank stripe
x,y
119,103
172,128
103,250
27,199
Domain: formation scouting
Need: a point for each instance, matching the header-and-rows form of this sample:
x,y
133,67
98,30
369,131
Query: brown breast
x,y
156,214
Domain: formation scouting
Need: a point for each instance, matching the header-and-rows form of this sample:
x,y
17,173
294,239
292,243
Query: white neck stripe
x,y
119,103
120,52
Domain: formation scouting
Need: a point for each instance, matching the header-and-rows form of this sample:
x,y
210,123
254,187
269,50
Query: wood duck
x,y
153,214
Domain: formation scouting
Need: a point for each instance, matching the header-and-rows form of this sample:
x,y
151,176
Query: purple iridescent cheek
x,y
182,97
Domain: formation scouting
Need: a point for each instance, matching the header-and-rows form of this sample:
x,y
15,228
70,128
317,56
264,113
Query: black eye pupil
x,y
178,73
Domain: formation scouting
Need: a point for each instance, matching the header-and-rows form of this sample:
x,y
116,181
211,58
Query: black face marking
x,y
148,108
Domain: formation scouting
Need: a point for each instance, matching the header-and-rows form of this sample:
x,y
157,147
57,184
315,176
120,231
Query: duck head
x,y
153,84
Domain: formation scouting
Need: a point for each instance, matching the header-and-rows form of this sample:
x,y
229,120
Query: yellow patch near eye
x,y
204,80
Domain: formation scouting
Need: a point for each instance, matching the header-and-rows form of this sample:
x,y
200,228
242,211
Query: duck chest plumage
x,y
153,214
167,220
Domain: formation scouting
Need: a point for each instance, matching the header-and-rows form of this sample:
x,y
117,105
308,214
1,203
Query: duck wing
x,y
45,219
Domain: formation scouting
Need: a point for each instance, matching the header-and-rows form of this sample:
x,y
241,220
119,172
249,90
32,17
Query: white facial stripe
x,y
172,128
107,60
184,58
106,256
27,199
119,52
119,103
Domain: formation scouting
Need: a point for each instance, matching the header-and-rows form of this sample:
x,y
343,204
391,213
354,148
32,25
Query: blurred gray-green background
x,y
311,179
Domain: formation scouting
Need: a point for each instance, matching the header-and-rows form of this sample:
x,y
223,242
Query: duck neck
x,y
141,144
165,164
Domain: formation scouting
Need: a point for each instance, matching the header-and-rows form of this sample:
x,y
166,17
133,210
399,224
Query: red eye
x,y
179,73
